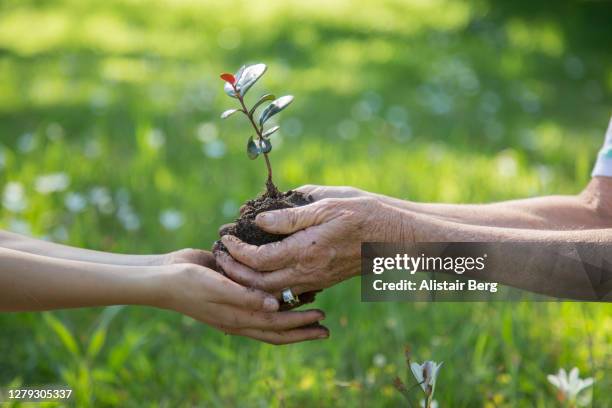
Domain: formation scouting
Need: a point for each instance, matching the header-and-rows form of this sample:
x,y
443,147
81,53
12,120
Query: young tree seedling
x,y
237,86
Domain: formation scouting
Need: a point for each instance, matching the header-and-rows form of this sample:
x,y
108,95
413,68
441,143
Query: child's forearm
x,y
44,248
32,282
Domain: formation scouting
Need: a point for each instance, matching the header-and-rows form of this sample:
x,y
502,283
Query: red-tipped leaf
x,y
228,78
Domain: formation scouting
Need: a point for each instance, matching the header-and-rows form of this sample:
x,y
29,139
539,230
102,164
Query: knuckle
x,y
327,202
269,318
261,257
367,202
292,218
235,321
259,283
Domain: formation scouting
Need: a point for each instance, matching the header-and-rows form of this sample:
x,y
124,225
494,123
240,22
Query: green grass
x,y
431,101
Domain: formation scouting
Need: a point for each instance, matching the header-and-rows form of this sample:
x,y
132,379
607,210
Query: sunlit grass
x,y
429,101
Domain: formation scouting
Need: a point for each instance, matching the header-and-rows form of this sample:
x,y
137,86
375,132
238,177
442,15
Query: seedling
x,y
259,144
237,87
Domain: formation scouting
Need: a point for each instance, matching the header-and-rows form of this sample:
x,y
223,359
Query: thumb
x,y
290,220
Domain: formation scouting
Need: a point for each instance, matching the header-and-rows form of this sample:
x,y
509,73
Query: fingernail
x,y
265,219
321,316
270,304
228,238
324,335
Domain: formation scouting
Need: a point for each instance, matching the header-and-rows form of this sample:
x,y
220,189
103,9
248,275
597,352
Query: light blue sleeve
x,y
603,166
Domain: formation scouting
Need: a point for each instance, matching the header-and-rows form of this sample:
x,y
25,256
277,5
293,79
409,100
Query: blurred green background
x,y
110,138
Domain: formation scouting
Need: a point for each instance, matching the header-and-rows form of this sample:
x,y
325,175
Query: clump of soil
x,y
245,228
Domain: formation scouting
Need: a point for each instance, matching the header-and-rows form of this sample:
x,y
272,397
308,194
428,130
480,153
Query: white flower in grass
x,y
19,226
207,132
128,218
426,375
171,219
13,197
60,233
379,360
156,138
26,143
214,149
433,404
101,198
51,183
569,385
75,202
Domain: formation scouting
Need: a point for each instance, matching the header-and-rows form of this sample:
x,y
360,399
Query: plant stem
x,y
269,183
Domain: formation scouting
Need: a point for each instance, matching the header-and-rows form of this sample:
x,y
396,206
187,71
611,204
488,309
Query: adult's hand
x,y
324,248
211,298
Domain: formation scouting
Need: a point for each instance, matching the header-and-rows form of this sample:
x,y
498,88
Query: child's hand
x,y
211,298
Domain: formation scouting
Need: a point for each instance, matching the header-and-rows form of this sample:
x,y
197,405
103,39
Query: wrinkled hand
x,y
211,298
325,247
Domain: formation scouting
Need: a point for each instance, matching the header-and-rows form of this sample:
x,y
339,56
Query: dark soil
x,y
245,228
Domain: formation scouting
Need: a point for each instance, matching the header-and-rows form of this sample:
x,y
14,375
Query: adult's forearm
x,y
412,226
32,282
592,209
563,279
44,248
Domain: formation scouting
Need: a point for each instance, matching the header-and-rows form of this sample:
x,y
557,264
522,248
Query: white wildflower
x,y
569,385
156,138
60,233
506,164
214,149
171,219
426,375
101,198
51,183
26,143
19,226
128,218
75,202
380,360
432,404
13,198
207,132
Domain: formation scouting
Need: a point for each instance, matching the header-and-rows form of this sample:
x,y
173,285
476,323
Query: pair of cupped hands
x,y
322,248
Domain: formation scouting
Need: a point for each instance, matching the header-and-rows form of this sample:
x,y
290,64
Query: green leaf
x,y
229,113
245,79
61,331
275,107
266,146
257,147
270,131
266,97
98,338
252,149
95,344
